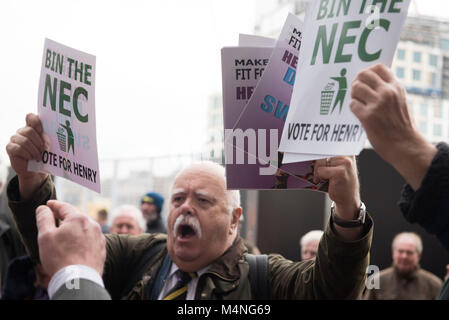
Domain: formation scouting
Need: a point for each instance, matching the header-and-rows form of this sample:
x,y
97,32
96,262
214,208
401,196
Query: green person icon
x,y
342,87
70,138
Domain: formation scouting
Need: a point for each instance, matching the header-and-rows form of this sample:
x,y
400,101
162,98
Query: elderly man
x,y
127,219
309,244
202,256
405,280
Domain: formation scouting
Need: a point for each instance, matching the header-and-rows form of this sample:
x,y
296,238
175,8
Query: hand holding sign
x,y
66,107
343,190
340,39
27,144
379,102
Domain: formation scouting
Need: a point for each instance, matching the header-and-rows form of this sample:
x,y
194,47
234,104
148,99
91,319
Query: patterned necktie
x,y
179,291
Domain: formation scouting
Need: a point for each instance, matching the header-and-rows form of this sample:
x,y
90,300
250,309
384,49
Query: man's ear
x,y
236,213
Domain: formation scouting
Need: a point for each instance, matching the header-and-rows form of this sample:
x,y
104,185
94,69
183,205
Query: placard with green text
x,y
66,107
340,38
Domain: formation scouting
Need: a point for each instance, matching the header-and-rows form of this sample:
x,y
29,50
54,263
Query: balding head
x,y
232,196
203,217
407,249
309,244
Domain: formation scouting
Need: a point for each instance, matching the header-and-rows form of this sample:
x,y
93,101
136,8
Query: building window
x,y
416,75
437,111
437,130
444,44
400,72
433,60
423,127
433,79
423,109
401,54
417,56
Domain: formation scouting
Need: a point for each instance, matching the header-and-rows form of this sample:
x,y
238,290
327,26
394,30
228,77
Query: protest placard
x,y
341,38
249,40
66,107
256,134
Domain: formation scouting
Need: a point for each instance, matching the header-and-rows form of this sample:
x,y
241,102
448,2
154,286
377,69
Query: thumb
x,y
45,219
61,209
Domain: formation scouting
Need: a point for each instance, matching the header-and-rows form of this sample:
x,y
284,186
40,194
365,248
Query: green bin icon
x,y
326,98
61,139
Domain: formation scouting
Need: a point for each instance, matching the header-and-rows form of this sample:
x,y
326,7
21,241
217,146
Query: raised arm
x,y
379,101
338,271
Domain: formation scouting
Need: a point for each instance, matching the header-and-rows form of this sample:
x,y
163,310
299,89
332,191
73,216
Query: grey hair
x,y
232,196
411,235
131,210
314,235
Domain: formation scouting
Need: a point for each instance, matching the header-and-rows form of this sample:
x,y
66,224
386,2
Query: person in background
x,y
127,219
151,207
309,244
102,219
405,280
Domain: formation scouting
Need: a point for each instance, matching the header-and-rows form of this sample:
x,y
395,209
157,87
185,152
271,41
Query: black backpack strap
x,y
258,275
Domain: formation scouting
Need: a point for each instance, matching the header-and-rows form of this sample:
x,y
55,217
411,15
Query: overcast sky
x,y
158,62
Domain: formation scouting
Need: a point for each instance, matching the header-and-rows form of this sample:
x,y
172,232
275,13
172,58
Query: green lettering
x,y
87,73
53,62
59,63
51,92
345,39
322,11
363,55
392,9
71,61
345,4
79,71
331,13
77,92
48,59
362,8
326,46
63,97
383,2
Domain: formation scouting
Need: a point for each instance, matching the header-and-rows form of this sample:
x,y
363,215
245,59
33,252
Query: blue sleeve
x,y
429,205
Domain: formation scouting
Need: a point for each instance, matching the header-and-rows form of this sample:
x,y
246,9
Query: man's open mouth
x,y
186,231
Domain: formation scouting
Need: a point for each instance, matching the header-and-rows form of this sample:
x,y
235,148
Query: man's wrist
x,y
412,160
347,211
357,221
28,184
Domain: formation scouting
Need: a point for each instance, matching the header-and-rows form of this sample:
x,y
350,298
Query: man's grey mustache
x,y
189,221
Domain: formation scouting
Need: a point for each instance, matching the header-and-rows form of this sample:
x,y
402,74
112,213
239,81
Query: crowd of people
x,y
200,254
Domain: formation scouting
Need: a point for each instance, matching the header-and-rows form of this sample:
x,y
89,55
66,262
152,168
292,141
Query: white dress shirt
x,y
68,276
